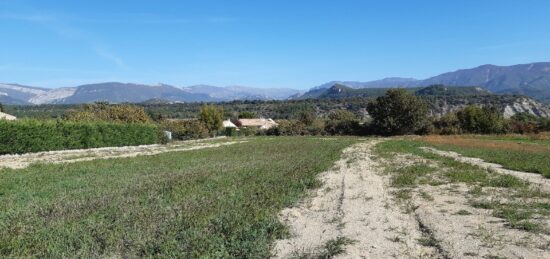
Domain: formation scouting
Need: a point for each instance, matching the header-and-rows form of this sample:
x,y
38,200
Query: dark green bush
x,y
185,129
342,122
481,120
33,136
447,125
231,132
398,113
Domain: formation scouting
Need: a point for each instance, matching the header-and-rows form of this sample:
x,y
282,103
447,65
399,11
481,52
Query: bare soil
x,y
356,201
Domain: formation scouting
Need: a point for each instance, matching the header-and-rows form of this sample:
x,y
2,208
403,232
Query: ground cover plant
x,y
523,206
523,153
220,202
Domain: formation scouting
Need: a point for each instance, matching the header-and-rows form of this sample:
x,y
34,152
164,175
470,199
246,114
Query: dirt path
x,y
536,179
78,155
357,203
354,203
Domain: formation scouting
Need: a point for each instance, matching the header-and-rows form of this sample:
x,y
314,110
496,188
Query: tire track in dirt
x,y
354,203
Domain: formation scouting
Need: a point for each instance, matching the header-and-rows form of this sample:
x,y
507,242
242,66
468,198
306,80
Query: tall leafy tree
x,y
212,117
397,113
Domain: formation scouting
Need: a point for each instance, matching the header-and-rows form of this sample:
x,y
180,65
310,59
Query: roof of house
x,y
228,124
5,116
262,123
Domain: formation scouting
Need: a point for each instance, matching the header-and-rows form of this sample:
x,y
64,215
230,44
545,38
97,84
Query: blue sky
x,y
277,43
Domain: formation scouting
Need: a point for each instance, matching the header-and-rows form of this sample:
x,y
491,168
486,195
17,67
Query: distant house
x,y
228,124
258,123
5,116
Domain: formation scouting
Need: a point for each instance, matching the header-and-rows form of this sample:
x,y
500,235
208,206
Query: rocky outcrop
x,y
509,105
527,105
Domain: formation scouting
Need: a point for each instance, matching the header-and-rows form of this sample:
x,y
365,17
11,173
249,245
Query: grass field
x,y
522,153
218,202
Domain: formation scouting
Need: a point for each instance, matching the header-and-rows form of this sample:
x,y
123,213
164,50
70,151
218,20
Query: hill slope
x,y
532,80
119,92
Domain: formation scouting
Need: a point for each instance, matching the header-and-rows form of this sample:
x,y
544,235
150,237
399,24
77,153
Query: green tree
x,y
524,122
342,122
447,124
212,117
398,112
247,115
305,116
481,120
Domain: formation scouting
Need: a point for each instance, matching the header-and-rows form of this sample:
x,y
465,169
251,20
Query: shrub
x,y
247,115
231,132
524,122
481,120
117,113
305,116
185,129
288,128
398,112
447,125
249,131
25,136
342,122
317,127
212,117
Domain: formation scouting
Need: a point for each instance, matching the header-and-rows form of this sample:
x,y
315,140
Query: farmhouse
x,y
5,116
258,123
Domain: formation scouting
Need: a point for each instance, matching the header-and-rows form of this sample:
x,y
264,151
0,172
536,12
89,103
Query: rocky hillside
x,y
442,99
115,92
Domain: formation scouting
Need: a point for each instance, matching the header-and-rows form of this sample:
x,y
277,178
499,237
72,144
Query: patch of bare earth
x,y
354,203
79,155
460,230
358,202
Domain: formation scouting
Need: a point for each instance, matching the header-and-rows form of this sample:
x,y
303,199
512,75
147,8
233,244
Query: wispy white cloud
x,y
106,54
61,26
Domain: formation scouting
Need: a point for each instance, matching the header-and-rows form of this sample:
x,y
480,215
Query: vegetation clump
x,y
105,112
398,113
25,136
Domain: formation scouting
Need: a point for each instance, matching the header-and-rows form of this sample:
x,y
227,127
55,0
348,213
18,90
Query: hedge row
x,y
33,136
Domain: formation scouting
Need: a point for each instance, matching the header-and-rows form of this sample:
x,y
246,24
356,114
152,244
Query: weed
x,y
330,249
463,213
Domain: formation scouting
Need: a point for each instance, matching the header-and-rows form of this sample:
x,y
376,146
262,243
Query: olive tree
x,y
397,113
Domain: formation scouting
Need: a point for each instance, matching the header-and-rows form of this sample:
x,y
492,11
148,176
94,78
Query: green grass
x,y
519,205
459,172
217,202
535,158
515,138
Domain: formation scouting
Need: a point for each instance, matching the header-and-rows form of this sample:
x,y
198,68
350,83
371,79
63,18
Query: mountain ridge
x,y
531,79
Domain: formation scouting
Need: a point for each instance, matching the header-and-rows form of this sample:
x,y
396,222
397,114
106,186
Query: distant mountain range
x,y
338,91
532,80
115,92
